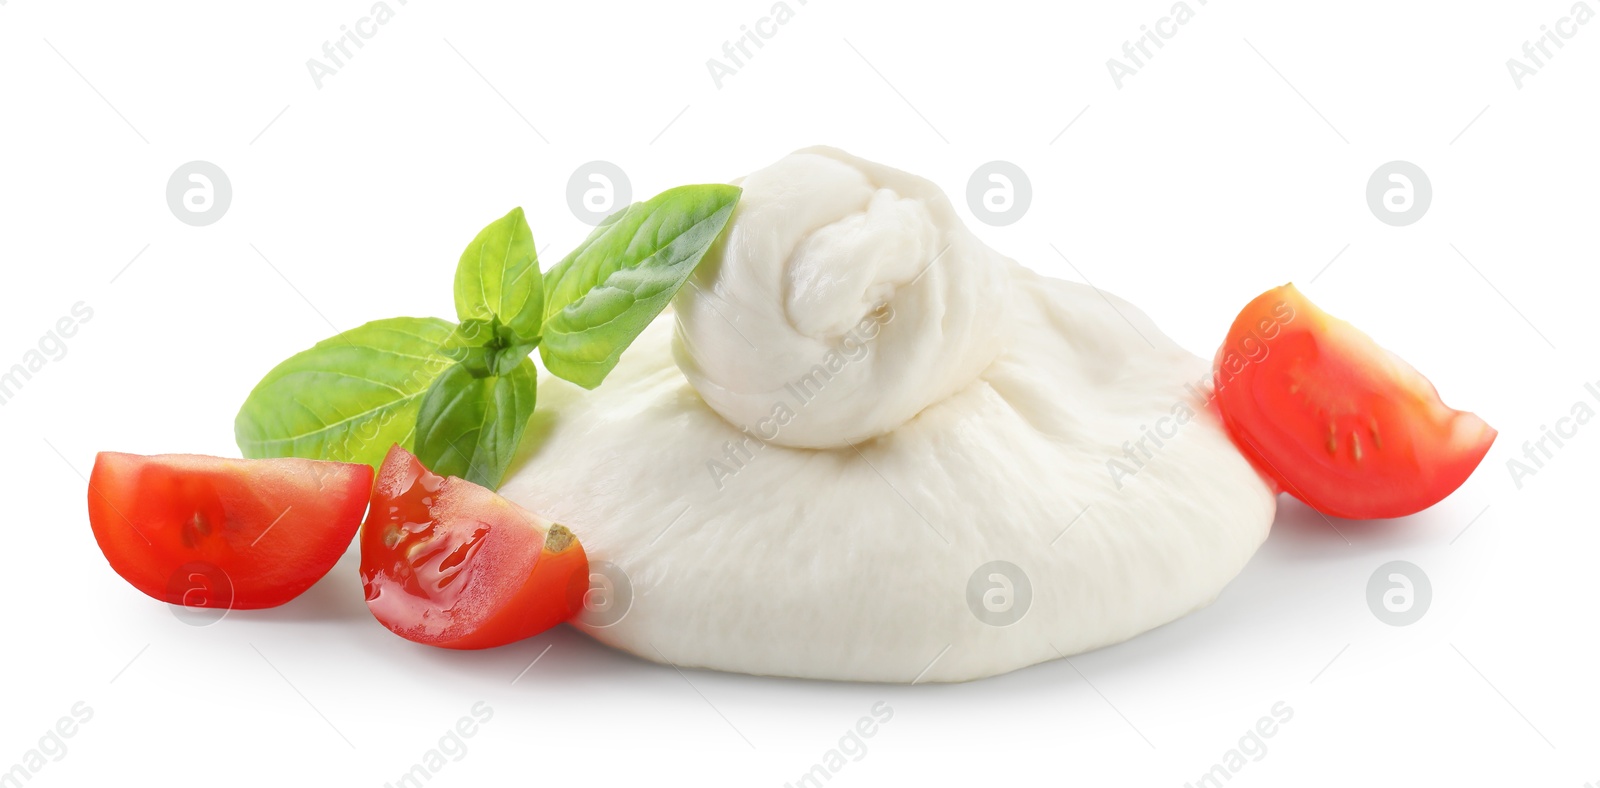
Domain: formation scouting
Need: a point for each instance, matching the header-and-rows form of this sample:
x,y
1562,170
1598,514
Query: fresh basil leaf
x,y
348,398
498,277
469,346
470,426
485,347
480,361
472,333
510,358
599,298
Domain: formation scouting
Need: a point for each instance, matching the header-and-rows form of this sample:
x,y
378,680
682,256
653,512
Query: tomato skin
x,y
449,563
1335,420
267,529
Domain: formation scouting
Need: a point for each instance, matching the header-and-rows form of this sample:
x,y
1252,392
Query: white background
x,y
1235,160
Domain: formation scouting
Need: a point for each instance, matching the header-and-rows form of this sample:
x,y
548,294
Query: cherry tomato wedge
x,y
214,532
1337,421
448,563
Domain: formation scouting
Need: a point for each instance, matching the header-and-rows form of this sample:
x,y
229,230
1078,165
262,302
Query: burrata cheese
x,y
865,446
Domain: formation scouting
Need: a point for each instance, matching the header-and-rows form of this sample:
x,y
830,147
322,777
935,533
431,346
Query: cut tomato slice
x,y
448,563
214,532
1337,421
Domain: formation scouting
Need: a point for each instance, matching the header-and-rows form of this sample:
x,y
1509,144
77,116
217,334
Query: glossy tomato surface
x,y
449,563
215,532
1334,419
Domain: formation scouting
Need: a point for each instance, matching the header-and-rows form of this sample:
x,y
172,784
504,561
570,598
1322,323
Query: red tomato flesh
x,y
271,528
449,563
1337,421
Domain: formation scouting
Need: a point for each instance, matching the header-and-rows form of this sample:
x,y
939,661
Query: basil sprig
x,y
460,396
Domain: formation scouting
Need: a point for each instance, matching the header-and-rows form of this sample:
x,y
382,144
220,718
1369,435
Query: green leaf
x,y
510,358
599,298
348,398
487,348
470,426
468,345
498,277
